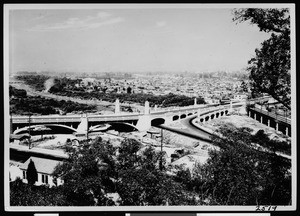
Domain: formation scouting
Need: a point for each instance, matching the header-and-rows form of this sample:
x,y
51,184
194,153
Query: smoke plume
x,y
48,84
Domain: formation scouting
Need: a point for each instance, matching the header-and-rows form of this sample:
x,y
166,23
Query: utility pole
x,y
161,148
11,123
87,127
29,121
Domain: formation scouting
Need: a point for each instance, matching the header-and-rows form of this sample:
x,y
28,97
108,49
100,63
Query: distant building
x,y
44,168
25,73
240,97
211,100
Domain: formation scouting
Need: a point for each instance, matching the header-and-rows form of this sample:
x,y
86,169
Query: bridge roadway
x,y
189,111
189,130
192,131
93,117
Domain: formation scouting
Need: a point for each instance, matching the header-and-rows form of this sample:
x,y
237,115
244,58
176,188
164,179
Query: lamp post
x,y
87,127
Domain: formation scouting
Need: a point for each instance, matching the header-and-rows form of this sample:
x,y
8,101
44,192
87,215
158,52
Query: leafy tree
x,y
22,194
240,175
244,86
260,137
128,153
17,92
36,104
143,183
129,89
270,68
184,177
273,145
36,81
32,176
88,174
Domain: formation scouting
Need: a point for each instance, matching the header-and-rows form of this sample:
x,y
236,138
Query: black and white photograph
x,y
138,107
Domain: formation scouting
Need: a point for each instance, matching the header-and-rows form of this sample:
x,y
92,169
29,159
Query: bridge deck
x,y
93,117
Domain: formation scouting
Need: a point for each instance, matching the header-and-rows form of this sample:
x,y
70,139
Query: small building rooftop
x,y
42,165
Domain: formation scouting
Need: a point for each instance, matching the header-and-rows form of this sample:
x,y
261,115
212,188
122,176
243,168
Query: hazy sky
x,y
161,39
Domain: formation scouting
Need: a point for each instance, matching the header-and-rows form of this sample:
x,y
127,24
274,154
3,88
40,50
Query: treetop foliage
x,y
20,103
240,175
236,174
271,67
66,87
267,20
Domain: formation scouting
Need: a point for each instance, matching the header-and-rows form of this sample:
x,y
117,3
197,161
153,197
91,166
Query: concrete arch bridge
x,y
125,121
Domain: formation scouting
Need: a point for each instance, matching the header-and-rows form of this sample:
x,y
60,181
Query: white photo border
x,y
10,7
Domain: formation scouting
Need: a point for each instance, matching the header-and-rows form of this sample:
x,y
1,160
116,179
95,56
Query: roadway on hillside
x,y
194,132
189,130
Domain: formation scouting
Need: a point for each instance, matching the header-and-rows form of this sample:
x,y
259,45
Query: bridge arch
x,y
175,118
123,126
212,116
157,121
54,129
201,120
226,112
190,114
206,118
182,116
217,115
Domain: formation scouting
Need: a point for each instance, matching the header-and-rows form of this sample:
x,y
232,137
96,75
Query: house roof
x,y
42,165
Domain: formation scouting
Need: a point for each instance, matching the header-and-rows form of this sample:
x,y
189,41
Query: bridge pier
x,y
230,104
287,131
276,128
144,123
261,119
83,126
147,109
168,120
269,122
243,110
117,107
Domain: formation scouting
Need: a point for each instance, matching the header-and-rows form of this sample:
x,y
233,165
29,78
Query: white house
x,y
240,97
44,168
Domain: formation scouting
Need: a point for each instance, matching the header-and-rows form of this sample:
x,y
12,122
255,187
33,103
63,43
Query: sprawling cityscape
x,y
169,137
